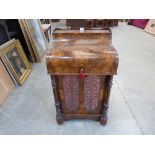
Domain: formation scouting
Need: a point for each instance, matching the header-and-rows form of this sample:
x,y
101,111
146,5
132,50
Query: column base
x,y
60,119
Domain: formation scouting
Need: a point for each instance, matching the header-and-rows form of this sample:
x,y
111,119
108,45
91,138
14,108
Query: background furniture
x,y
89,23
115,22
46,21
68,23
100,23
140,23
55,20
12,29
75,23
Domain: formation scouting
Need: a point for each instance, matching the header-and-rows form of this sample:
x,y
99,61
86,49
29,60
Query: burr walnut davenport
x,y
81,65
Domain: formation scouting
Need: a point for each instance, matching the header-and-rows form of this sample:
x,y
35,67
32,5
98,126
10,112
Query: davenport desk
x,y
81,66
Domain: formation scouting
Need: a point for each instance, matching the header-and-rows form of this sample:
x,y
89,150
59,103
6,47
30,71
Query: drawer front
x,y
81,96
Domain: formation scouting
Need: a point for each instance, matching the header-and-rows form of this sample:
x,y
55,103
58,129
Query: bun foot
x,y
103,121
60,119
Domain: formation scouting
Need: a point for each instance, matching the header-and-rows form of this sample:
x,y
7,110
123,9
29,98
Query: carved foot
x,y
103,121
60,119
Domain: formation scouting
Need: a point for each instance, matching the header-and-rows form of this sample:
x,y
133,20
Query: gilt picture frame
x,y
35,35
12,54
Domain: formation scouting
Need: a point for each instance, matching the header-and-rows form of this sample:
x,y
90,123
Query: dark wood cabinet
x,y
81,66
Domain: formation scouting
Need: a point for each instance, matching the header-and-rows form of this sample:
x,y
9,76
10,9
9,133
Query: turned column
x,y
59,115
107,85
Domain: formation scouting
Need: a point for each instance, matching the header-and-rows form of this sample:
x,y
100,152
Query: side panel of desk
x,y
6,83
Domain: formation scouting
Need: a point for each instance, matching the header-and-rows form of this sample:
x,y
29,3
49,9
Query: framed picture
x,y
35,37
23,28
13,56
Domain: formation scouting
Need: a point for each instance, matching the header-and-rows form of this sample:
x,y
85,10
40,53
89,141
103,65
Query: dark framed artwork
x,y
15,59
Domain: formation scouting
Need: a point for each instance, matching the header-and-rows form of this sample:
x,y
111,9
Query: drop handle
x,y
81,73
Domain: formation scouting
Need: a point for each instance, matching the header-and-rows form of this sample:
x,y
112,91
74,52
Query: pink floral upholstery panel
x,y
91,92
71,92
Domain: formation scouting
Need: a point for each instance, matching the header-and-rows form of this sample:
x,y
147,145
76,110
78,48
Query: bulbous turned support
x,y
59,115
108,84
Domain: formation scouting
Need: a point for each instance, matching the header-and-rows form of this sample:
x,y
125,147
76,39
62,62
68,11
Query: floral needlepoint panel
x,y
91,92
71,92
